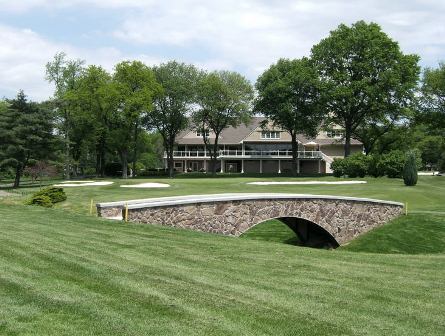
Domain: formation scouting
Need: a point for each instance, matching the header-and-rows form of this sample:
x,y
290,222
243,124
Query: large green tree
x,y
175,104
433,99
97,99
26,134
136,86
289,94
365,75
64,74
225,100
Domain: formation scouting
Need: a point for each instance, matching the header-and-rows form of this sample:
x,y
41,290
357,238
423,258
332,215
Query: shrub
x,y
356,165
373,166
55,194
410,170
338,167
391,164
41,200
47,197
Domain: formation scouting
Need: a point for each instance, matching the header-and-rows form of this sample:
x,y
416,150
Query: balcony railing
x,y
248,154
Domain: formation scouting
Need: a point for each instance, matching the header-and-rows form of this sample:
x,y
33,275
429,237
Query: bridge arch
x,y
337,219
309,234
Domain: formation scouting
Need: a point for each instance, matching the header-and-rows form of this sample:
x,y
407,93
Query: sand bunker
x,y
307,182
147,185
82,183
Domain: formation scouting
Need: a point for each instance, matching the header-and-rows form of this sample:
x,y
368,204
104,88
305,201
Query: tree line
x,y
357,78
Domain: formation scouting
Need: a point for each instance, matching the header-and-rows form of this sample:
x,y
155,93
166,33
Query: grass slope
x,y
428,195
64,273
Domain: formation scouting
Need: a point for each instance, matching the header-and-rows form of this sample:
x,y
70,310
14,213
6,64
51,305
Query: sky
x,y
239,35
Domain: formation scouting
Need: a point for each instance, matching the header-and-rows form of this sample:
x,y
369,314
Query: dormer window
x,y
335,133
270,135
200,133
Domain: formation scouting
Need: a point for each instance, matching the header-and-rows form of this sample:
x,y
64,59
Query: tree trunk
x,y
294,154
170,160
347,141
18,175
124,159
67,156
135,149
102,156
214,155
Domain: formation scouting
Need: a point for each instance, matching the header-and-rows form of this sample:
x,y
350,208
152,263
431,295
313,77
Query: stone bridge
x,y
318,220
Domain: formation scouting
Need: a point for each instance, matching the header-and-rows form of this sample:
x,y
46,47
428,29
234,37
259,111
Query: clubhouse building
x,y
253,148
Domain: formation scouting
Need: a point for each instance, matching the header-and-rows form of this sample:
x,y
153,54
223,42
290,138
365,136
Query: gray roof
x,y
229,136
233,136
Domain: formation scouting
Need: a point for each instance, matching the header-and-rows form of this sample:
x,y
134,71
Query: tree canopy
x,y
175,103
365,76
26,134
224,99
289,95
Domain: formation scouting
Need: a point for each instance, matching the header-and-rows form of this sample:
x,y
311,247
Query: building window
x,y
199,133
335,133
270,135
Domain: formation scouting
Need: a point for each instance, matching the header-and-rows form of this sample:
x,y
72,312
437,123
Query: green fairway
x,y
64,272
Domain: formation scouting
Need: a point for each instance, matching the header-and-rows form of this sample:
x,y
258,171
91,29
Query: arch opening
x,y
309,233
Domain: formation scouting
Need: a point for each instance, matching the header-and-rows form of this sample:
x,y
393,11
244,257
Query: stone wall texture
x,y
343,219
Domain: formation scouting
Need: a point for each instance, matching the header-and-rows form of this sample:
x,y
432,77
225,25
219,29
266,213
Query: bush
x,y
391,164
410,170
55,194
41,200
373,166
356,165
338,167
47,197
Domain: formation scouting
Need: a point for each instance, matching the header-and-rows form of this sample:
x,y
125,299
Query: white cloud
x,y
24,54
244,35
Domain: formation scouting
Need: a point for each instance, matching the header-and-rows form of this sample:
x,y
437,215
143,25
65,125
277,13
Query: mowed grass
x,y
64,272
427,196
69,274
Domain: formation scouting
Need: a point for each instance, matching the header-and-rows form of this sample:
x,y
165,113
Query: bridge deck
x,y
196,199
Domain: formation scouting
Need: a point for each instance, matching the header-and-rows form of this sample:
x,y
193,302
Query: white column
x,y
242,166
222,166
261,166
205,166
279,166
243,148
185,166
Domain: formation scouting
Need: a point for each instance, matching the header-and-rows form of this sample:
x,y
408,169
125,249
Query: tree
x,y
64,74
137,87
97,99
176,102
225,99
410,170
26,135
40,169
433,99
365,76
289,94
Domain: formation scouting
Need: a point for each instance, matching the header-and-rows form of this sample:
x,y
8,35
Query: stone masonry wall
x,y
343,219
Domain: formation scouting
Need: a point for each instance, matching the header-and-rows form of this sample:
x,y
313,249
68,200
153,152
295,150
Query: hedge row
x,y
359,165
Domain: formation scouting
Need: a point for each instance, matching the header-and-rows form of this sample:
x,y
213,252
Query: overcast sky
x,y
245,36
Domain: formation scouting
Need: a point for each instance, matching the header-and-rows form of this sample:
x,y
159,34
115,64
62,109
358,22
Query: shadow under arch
x,y
309,233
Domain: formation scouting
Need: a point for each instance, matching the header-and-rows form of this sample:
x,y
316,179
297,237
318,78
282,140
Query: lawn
x,y
64,272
